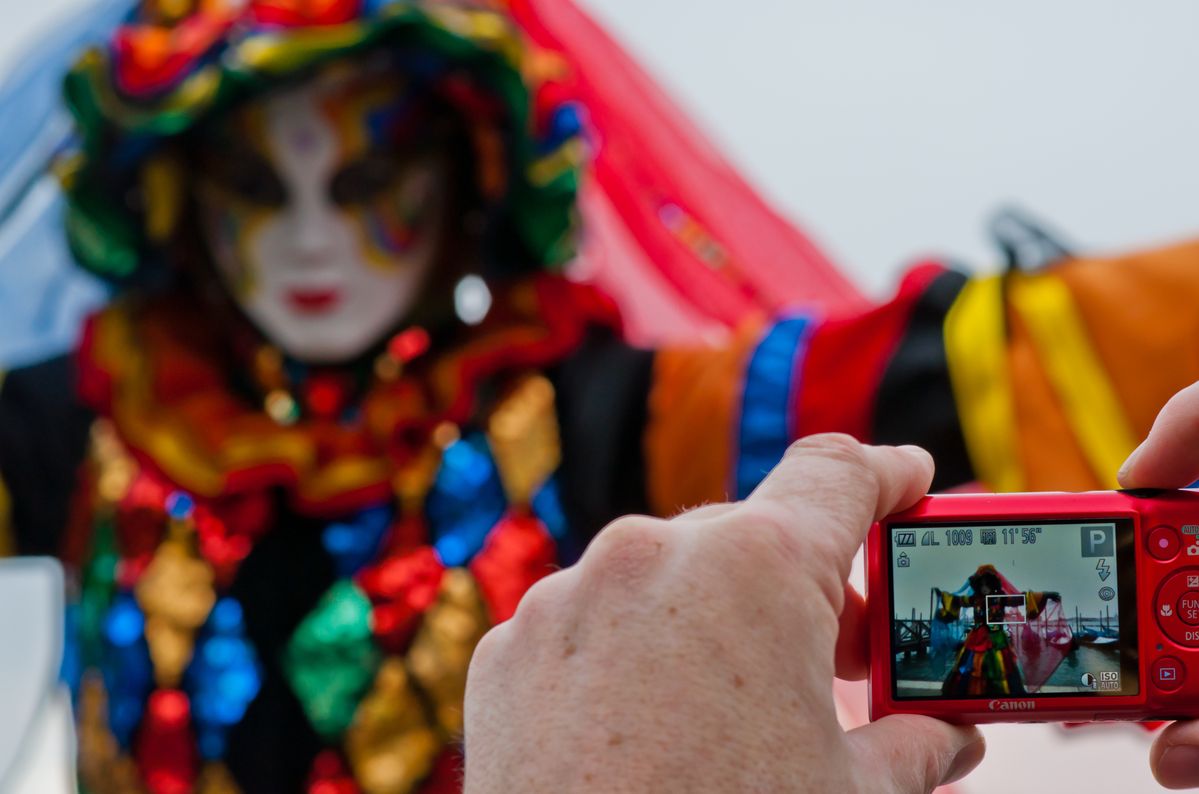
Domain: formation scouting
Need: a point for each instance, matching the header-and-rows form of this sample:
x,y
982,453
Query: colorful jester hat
x,y
174,63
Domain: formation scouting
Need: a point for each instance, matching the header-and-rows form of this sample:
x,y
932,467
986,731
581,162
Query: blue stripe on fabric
x,y
766,417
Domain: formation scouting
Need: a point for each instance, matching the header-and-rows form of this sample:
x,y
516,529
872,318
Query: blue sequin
x,y
180,506
566,123
354,544
766,417
223,677
547,507
126,666
466,501
70,672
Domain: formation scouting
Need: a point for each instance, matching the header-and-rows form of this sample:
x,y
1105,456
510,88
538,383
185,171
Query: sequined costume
x,y
280,572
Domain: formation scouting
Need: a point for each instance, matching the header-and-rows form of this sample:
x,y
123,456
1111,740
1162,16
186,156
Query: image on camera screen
x,y
1011,610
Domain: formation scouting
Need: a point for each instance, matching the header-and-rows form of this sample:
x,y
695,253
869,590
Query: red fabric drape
x,y
669,224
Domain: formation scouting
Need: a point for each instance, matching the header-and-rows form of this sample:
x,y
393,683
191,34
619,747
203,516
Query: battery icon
x,y
987,537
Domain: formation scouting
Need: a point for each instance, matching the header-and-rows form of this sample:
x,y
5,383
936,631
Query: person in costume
x,y
347,408
986,661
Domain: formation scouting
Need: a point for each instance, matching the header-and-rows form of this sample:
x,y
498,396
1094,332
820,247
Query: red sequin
x,y
304,13
401,588
409,345
330,775
518,552
325,395
446,777
223,550
140,524
165,750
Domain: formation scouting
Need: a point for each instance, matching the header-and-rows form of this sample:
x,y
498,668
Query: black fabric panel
x,y
43,439
603,394
280,582
915,400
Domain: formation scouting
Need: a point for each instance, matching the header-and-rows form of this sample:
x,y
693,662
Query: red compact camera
x,y
1037,607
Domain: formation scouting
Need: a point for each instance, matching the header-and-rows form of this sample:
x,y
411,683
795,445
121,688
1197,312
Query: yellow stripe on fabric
x,y
1078,376
976,348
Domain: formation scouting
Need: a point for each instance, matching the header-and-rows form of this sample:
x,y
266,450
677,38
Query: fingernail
x,y
1179,766
965,761
1127,467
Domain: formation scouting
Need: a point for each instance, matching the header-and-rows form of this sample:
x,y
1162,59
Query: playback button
x,y
1167,674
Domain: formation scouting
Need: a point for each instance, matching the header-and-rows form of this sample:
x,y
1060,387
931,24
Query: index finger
x,y
1169,457
846,483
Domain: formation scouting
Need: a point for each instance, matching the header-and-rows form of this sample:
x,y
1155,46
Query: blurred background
x,y
891,130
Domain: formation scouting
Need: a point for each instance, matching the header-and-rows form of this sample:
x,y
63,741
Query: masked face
x,y
324,211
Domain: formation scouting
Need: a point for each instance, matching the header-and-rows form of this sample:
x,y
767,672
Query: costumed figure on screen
x,y
352,396
1010,647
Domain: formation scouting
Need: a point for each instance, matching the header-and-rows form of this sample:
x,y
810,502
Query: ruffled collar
x,y
153,369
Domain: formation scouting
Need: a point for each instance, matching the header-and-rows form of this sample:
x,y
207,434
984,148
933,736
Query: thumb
x,y
907,754
1169,457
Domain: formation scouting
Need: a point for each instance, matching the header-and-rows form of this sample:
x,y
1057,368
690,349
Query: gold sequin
x,y
215,778
162,183
115,467
388,368
169,12
268,368
523,431
440,653
176,594
102,767
391,745
412,482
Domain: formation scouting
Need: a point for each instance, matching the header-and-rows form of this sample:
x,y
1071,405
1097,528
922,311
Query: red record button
x,y
1188,608
1168,673
1163,543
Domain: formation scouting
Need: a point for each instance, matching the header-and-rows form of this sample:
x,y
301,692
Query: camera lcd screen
x,y
985,610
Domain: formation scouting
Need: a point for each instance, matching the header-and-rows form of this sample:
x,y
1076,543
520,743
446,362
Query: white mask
x,y
322,228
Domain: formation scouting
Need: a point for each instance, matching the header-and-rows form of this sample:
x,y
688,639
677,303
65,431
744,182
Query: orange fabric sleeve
x,y
694,406
1140,312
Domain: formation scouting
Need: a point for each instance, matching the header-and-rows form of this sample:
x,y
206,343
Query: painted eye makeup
x,y
365,179
246,176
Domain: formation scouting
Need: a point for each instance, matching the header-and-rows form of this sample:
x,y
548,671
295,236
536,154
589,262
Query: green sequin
x,y
97,588
331,659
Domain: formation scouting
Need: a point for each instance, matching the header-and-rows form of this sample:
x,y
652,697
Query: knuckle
x,y
836,448
488,652
795,547
764,532
628,549
787,539
540,603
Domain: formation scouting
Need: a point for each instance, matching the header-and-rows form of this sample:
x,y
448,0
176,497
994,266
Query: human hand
x,y
698,654
1169,458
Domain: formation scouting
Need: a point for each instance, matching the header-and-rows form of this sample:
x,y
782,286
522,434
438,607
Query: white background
x,y
890,130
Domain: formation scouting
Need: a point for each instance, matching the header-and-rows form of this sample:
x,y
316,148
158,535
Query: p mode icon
x,y
1098,541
